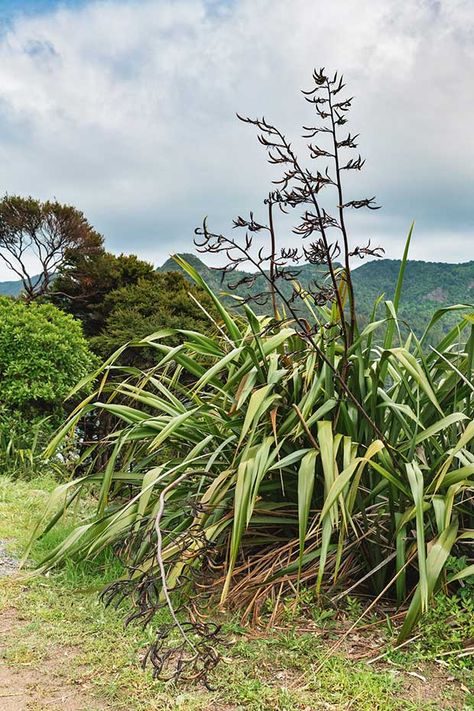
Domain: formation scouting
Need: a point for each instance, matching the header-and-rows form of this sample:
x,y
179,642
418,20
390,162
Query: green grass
x,y
277,672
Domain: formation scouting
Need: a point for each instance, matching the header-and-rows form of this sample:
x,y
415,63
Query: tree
x,y
159,300
122,298
84,280
42,234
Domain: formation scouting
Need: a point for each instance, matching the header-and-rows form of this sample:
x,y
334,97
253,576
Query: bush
x,y
257,474
84,282
43,354
265,453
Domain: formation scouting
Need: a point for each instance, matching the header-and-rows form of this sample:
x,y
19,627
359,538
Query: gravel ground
x,y
8,565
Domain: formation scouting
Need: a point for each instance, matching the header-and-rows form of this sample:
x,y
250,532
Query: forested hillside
x,y
428,285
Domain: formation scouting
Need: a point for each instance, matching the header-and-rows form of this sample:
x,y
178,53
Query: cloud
x,y
127,110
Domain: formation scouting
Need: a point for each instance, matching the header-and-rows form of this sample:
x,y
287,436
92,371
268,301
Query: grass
x,y
260,672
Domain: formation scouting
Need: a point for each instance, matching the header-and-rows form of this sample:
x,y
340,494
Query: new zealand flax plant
x,y
277,452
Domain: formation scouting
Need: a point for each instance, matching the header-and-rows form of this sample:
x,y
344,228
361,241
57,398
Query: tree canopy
x,y
39,236
84,281
157,301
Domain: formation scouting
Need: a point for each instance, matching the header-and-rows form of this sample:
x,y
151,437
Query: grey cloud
x,y
40,50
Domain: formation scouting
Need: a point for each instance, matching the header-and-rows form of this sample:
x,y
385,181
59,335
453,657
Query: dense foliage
x,y
84,281
156,302
43,355
260,488
122,298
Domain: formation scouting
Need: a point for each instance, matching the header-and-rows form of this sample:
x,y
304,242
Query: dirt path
x,y
37,687
28,687
50,677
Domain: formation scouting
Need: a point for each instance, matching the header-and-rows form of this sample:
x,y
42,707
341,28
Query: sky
x,y
126,109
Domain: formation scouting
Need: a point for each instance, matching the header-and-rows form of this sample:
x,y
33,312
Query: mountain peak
x,y
171,266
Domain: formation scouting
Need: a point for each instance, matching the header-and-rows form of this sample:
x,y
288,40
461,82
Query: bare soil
x,y
37,687
40,687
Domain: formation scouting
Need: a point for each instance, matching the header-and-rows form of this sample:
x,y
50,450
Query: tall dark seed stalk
x,y
300,188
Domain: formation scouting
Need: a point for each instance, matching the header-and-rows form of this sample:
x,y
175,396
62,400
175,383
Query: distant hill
x,y
10,288
427,287
432,283
14,288
221,282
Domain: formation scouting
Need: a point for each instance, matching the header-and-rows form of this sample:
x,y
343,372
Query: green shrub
x,y
43,354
